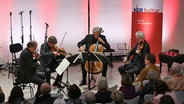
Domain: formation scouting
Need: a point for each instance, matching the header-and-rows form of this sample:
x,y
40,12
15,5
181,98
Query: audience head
x,y
102,83
45,88
152,75
118,97
90,97
139,36
2,96
176,68
126,79
166,99
150,58
16,92
74,92
161,87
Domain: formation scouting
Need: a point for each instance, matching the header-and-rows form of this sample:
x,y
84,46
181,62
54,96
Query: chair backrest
x,y
144,82
179,95
148,98
137,85
14,48
133,101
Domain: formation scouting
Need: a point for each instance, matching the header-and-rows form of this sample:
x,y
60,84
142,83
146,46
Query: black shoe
x,y
58,85
83,82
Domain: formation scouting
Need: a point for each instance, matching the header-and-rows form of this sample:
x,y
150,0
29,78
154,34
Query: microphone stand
x,y
45,41
21,18
30,26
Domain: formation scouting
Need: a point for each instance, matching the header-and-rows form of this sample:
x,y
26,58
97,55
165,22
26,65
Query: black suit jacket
x,y
139,58
27,66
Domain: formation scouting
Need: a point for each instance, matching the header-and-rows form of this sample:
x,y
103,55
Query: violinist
x,y
28,65
138,52
88,41
48,60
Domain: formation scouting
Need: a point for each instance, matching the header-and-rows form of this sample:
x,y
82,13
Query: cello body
x,y
95,67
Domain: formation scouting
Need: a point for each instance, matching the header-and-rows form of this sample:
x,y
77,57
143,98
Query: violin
x,y
95,67
61,51
140,46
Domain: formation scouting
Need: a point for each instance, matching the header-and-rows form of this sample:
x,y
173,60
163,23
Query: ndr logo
x,y
138,10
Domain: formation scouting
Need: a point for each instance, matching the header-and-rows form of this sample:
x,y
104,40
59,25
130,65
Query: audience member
x,y
45,97
149,61
126,86
118,97
17,96
90,97
148,88
162,89
166,99
2,96
176,82
103,95
73,96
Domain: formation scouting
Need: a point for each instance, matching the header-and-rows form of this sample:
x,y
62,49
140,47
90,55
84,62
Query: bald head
x,y
45,88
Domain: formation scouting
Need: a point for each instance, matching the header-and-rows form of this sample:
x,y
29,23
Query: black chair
x,y
14,66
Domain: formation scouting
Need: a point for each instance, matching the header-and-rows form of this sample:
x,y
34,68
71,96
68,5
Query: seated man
x,y
48,59
138,52
149,60
176,82
28,65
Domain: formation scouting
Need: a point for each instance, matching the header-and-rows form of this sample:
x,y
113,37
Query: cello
x,y
95,67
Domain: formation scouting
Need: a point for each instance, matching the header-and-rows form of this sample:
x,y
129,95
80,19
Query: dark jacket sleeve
x,y
83,41
106,45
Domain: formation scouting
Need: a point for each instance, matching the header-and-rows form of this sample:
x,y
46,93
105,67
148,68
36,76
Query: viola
x,y
61,51
95,67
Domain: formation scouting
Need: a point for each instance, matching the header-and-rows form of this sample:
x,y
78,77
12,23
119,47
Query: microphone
x,y
10,13
46,24
21,12
30,11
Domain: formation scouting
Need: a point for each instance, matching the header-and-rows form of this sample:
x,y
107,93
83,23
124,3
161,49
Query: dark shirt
x,y
139,58
103,96
129,92
45,99
148,88
73,101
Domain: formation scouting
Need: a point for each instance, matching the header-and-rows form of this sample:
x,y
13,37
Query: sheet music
x,y
62,66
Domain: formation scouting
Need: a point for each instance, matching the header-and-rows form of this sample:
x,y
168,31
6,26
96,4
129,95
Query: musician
x,y
88,41
28,65
48,60
139,52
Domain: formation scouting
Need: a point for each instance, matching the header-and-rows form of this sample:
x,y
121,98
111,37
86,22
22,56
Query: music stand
x,y
90,56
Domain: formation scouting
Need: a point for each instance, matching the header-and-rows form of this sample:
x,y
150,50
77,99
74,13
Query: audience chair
x,y
144,82
133,101
137,85
148,98
180,95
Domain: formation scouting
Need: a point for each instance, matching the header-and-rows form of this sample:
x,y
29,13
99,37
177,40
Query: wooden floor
x,y
74,77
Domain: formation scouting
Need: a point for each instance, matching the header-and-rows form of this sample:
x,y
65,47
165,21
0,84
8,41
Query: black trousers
x,y
50,69
84,72
131,68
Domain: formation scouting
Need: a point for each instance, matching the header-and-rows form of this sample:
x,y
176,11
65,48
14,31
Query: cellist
x,y
88,41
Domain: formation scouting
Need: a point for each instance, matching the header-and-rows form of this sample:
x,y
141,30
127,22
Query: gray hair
x,y
176,68
118,97
152,75
97,29
90,97
102,83
139,34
